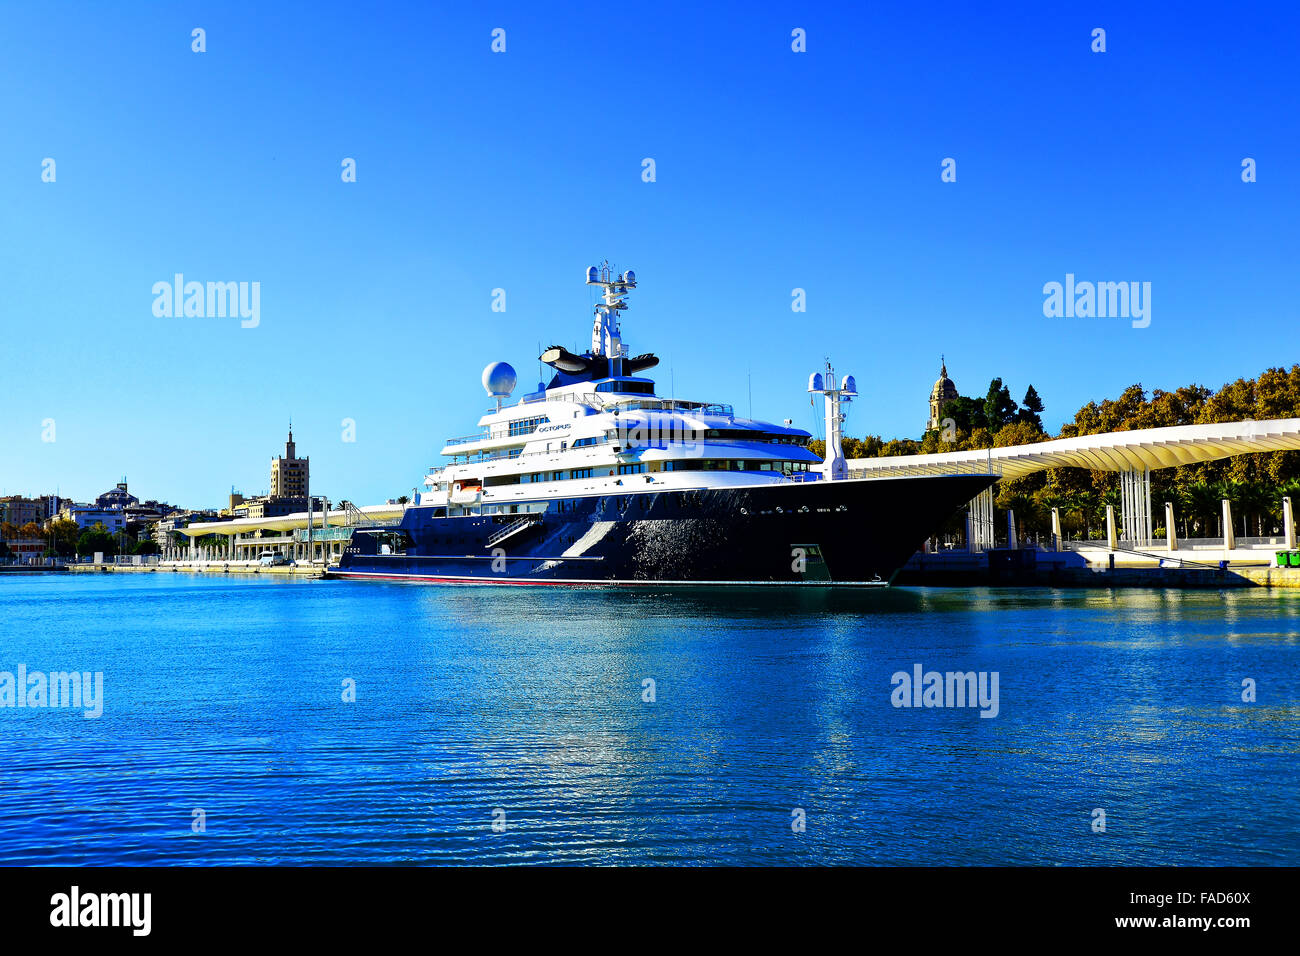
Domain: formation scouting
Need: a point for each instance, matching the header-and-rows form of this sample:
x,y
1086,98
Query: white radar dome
x,y
499,379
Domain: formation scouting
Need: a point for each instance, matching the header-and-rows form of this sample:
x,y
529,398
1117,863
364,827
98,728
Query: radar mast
x,y
606,338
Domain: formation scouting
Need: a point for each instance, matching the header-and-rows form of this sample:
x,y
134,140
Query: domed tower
x,y
944,391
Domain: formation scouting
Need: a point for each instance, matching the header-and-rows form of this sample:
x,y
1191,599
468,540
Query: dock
x,y
203,567
1097,567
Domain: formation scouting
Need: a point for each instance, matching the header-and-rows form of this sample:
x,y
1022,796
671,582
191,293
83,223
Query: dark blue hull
x,y
818,533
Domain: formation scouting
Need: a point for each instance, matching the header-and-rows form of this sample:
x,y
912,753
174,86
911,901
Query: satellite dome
x,y
499,379
629,277
593,275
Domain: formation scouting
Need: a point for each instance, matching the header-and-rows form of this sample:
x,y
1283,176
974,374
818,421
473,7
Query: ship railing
x,y
597,403
602,401
570,452
676,405
589,399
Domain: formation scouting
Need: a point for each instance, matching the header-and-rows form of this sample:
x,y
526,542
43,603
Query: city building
x,y
290,481
163,529
944,391
26,550
19,511
273,506
116,509
289,473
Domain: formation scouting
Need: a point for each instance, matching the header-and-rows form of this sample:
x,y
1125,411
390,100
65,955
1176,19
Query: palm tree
x,y
1255,499
1083,504
1047,500
1290,489
1202,501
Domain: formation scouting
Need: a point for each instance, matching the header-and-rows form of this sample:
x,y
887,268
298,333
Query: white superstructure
x,y
599,428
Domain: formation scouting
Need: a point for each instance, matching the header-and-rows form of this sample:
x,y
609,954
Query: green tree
x,y
1031,409
1202,502
999,408
967,414
96,538
64,534
1255,500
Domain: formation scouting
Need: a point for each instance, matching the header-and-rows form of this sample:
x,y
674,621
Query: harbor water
x,y
253,720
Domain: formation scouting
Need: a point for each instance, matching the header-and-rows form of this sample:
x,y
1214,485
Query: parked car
x,y
271,559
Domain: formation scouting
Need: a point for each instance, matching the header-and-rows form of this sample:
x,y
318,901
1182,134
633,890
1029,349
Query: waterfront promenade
x,y
942,569
302,570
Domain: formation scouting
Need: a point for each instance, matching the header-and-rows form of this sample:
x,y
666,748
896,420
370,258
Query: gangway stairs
x,y
513,528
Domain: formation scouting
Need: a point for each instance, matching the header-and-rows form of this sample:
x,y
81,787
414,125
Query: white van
x,y
271,559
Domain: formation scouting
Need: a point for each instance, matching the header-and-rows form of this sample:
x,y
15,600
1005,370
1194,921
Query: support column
x,y
1112,541
1229,535
1288,524
1012,541
1171,535
1135,506
979,521
1056,529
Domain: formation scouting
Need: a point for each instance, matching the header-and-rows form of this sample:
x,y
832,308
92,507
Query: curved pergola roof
x,y
291,522
1110,451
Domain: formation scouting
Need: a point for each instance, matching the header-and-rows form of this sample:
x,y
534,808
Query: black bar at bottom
x,y
331,905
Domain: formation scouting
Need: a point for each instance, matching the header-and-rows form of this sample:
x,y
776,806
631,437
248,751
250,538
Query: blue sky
x,y
775,170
